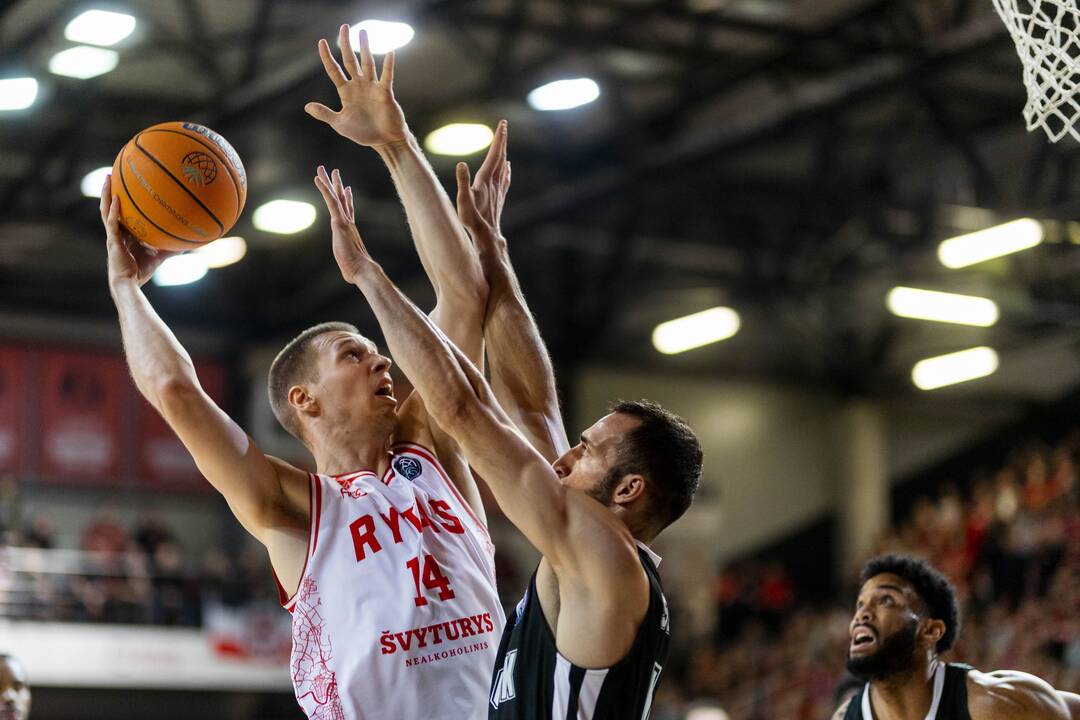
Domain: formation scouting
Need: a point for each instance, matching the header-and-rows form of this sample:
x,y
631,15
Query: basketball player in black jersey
x,y
590,637
905,618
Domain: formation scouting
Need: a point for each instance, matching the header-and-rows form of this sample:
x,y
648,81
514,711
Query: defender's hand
x,y
128,258
349,250
369,113
480,202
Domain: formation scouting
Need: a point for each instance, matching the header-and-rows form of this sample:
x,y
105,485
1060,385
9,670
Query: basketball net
x,y
1047,37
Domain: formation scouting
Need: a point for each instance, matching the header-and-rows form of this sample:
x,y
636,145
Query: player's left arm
x,y
371,116
1014,695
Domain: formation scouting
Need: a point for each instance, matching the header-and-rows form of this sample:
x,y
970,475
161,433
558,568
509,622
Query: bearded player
x,y
905,618
591,635
382,557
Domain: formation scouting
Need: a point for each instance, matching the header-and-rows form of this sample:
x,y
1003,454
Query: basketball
x,y
181,185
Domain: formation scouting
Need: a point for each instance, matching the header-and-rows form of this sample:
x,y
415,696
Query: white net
x,y
1047,37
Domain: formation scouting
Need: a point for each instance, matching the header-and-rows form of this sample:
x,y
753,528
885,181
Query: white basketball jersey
x,y
396,615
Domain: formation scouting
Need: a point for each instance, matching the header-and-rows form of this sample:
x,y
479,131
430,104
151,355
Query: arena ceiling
x,y
793,159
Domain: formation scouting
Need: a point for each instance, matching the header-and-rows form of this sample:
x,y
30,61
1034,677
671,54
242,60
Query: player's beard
x,y
894,656
604,490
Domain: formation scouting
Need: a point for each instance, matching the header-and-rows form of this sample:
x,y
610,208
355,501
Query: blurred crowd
x,y
118,574
1009,540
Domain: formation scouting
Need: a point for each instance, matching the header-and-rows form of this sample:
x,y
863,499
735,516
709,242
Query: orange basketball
x,y
180,185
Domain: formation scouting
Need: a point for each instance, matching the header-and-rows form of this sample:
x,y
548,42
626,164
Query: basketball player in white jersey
x,y
591,636
382,556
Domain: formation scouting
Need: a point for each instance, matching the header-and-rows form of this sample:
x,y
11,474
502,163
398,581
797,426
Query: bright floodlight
x,y
564,94
459,139
942,307
180,270
999,240
83,62
957,367
383,35
18,93
693,331
284,217
99,27
93,181
222,252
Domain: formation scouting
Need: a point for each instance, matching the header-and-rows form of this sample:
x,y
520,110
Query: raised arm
x,y
522,375
371,116
1014,695
574,532
268,497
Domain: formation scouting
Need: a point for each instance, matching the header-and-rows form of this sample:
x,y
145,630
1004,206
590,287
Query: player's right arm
x,y
586,544
269,497
522,376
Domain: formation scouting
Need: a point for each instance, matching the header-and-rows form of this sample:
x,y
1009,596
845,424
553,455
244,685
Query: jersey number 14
x,y
431,577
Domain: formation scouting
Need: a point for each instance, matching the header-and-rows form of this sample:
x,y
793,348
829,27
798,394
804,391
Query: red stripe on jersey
x,y
430,457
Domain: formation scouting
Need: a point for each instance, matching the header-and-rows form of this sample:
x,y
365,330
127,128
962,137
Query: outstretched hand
x,y
480,200
349,250
369,113
128,258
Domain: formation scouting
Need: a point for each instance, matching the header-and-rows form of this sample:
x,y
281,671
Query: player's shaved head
x,y
295,364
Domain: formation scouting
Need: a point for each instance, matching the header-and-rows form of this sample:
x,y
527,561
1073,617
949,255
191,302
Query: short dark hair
x,y
294,365
665,450
932,587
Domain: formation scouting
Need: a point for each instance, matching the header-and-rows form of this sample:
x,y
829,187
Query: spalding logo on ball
x,y
180,185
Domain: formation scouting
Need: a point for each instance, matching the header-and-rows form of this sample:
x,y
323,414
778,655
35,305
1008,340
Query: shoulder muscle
x,y
1013,695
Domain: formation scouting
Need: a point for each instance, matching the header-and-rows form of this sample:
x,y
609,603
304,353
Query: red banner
x,y
81,413
163,459
12,406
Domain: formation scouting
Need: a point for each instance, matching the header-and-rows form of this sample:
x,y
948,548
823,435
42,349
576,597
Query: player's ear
x,y
932,632
631,486
302,400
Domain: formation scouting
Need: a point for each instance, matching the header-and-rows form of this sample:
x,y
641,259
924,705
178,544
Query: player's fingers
x,y
367,60
348,55
321,112
333,70
338,186
322,182
349,202
106,198
387,79
465,205
113,221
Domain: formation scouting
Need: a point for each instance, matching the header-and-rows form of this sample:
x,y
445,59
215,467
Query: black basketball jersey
x,y
532,681
949,699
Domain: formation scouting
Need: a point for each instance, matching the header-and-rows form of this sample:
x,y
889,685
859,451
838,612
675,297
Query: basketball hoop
x,y
1047,37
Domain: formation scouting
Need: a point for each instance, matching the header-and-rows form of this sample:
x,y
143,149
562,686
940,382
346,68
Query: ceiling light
x,y
83,62
93,181
977,247
957,367
222,252
284,217
693,331
384,36
564,94
180,270
18,93
942,307
99,27
459,139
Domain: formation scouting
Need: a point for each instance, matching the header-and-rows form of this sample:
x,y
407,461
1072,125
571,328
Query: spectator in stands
x,y
14,690
151,531
38,534
105,534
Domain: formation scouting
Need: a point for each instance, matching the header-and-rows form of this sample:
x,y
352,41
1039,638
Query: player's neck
x,y
338,452
905,696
